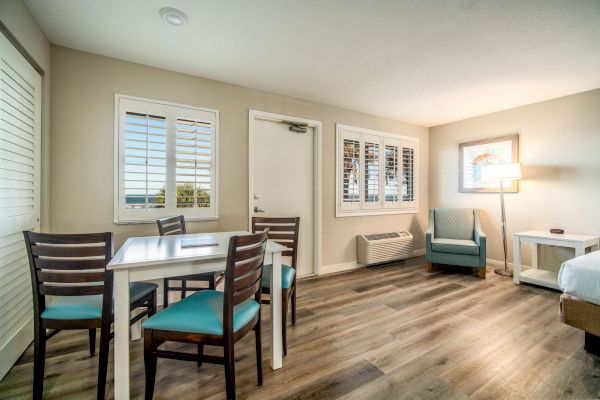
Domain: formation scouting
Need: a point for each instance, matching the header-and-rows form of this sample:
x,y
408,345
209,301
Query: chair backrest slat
x,y
282,236
267,223
243,294
246,254
243,273
70,277
67,252
248,281
67,238
69,265
283,231
172,226
248,267
51,290
64,264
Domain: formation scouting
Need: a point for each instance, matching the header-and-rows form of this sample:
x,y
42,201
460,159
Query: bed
x,y
579,279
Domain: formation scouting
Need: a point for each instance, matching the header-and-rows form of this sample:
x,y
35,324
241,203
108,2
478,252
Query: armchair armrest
x,y
480,239
429,234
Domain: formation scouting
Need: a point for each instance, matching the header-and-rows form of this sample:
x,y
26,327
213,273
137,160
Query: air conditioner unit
x,y
384,247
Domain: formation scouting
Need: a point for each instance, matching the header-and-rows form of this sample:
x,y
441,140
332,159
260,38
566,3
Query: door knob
x,y
258,210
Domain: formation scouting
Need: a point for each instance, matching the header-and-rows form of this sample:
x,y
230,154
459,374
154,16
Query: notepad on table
x,y
198,242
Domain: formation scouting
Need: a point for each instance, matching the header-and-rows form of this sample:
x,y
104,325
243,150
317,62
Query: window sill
x,y
153,221
364,213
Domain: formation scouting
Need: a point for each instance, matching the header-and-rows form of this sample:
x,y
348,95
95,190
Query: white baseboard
x,y
497,263
333,268
500,264
350,265
15,346
419,253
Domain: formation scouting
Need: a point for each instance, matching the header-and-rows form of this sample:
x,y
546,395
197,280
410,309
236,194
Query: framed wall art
x,y
476,154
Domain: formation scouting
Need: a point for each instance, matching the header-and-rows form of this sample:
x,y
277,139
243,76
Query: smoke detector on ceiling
x,y
173,16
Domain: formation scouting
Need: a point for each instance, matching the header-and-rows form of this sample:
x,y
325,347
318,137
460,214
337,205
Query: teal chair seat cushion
x,y
455,246
201,312
89,307
287,276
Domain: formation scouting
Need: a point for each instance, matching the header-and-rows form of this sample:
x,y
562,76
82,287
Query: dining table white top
x,y
149,250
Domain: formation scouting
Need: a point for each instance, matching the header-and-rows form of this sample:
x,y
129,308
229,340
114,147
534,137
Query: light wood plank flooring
x,y
388,333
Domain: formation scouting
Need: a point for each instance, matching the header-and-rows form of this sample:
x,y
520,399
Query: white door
x,y
20,112
282,175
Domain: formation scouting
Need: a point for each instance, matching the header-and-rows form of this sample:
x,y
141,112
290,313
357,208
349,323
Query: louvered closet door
x,y
20,109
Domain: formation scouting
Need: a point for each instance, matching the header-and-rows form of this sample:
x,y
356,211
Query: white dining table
x,y
157,257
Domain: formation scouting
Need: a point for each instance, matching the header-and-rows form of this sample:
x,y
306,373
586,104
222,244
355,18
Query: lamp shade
x,y
501,172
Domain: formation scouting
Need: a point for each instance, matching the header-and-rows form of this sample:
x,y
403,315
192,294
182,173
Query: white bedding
x,y
580,277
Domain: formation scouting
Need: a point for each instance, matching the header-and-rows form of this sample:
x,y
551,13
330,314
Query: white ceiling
x,y
426,62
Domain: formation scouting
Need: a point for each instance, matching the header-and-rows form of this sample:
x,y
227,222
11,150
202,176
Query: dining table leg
x,y
135,331
121,331
276,320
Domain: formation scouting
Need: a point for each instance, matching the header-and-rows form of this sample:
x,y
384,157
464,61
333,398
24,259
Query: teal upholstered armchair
x,y
454,237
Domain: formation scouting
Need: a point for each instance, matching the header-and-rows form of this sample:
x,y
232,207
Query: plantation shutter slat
x,y
20,133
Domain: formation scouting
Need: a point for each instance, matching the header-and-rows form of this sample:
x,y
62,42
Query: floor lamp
x,y
502,173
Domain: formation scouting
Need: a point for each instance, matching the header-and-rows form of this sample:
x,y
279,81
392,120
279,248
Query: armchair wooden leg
x,y
429,267
482,272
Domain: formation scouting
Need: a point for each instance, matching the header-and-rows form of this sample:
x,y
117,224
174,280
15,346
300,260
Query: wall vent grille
x,y
384,247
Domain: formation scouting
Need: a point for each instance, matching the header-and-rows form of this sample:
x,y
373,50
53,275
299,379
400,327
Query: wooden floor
x,y
388,333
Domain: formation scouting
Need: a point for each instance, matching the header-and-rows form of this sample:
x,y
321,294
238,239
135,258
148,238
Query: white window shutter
x,y
409,174
145,152
194,156
371,171
20,139
377,172
167,161
392,172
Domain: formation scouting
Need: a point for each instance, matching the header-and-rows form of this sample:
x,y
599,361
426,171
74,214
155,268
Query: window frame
x,y
382,207
169,109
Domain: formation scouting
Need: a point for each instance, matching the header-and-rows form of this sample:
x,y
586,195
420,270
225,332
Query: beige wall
x,y
19,21
82,148
560,154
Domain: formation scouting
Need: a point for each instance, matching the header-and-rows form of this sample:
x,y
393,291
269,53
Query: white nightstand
x,y
538,275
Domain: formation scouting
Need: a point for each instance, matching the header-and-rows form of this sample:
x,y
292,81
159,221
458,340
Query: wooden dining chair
x,y
72,269
213,318
285,232
176,226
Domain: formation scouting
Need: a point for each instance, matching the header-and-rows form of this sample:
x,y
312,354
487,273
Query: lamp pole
x,y
505,271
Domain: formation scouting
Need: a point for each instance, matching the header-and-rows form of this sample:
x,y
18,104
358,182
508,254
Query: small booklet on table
x,y
198,242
